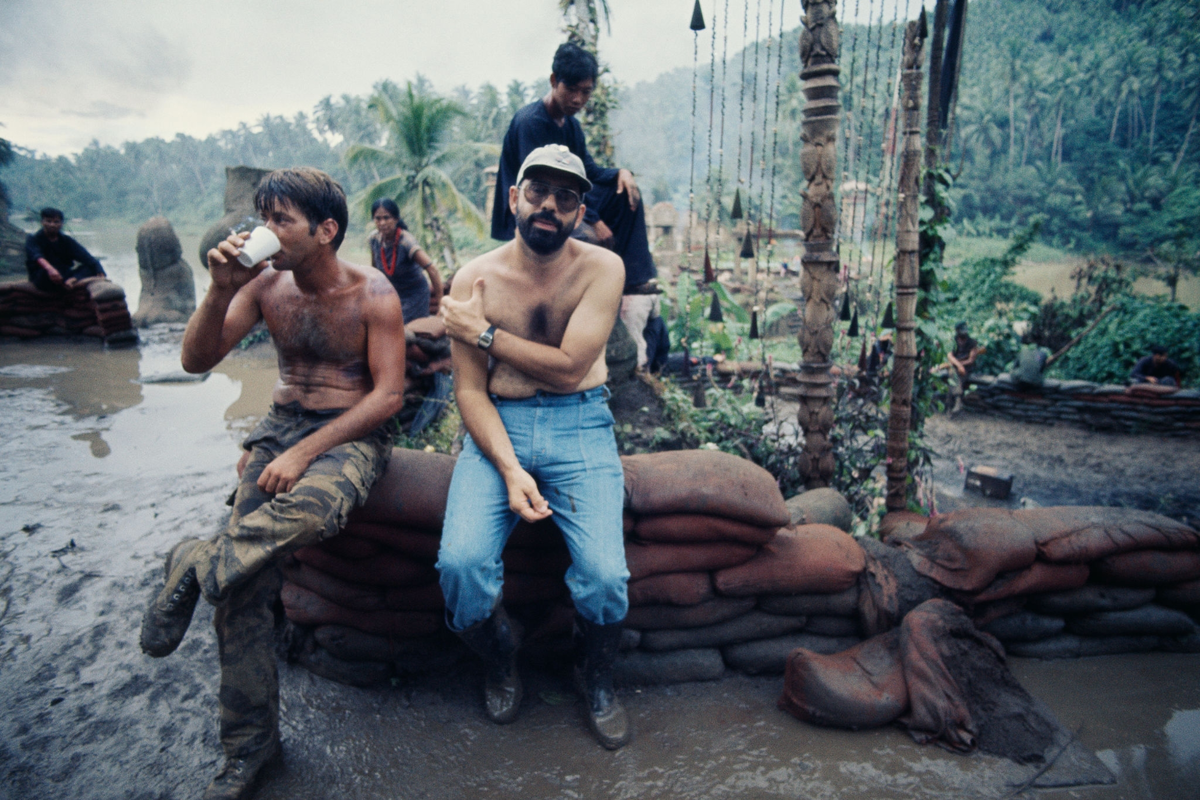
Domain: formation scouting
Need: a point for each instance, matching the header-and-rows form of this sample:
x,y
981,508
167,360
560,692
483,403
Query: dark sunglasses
x,y
566,200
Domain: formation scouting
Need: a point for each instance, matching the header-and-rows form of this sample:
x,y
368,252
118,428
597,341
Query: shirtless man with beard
x,y
529,323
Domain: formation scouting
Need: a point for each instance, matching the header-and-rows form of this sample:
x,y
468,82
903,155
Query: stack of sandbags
x,y
1067,581
427,347
715,582
95,308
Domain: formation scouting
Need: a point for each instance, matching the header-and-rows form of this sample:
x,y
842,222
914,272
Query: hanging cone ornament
x,y
844,316
710,274
697,18
747,246
889,319
736,211
714,311
754,324
862,357
853,325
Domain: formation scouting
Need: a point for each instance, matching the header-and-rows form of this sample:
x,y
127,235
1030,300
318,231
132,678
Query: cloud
x,y
102,109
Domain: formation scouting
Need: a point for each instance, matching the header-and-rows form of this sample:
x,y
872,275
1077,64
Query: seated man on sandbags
x,y
311,461
1156,368
54,260
529,322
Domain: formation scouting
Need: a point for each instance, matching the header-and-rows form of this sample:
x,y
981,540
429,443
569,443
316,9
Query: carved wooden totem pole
x,y
818,216
907,269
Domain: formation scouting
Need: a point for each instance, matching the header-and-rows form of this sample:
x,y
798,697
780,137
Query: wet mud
x,y
109,457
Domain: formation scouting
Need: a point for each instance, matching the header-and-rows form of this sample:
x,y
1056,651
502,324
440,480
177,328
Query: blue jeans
x,y
566,443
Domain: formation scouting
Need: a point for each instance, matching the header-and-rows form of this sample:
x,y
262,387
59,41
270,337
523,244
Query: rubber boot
x,y
595,651
238,776
496,640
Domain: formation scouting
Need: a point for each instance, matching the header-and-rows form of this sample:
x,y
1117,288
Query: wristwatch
x,y
485,338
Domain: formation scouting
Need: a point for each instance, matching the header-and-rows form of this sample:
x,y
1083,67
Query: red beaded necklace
x,y
389,269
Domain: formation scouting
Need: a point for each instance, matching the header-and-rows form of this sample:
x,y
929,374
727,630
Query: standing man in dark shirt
x,y
51,256
614,207
962,359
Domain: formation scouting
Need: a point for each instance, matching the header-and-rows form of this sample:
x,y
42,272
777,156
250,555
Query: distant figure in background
x,y
56,261
614,209
1026,369
1157,368
962,358
881,352
395,253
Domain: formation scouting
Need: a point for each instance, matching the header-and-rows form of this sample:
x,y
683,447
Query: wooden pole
x,y
818,219
907,269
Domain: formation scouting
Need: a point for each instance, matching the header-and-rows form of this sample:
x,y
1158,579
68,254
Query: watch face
x,y
485,338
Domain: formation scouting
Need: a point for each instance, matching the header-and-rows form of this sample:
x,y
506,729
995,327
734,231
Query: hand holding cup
x,y
241,257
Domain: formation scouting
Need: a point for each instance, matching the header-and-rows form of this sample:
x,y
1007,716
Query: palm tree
x,y
416,156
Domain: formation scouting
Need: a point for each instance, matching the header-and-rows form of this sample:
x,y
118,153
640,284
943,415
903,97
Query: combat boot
x,y
595,651
170,611
236,779
496,640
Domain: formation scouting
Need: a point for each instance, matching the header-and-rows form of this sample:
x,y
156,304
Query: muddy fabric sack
x,y
1077,534
800,560
1038,578
655,559
309,608
522,588
899,525
862,687
842,604
1090,598
676,589
703,482
415,598
411,655
750,626
1184,595
965,550
543,533
1025,626
769,656
411,492
1148,568
889,587
1149,620
412,542
826,625
344,593
536,561
347,545
1069,645
664,617
388,569
639,668
679,528
360,674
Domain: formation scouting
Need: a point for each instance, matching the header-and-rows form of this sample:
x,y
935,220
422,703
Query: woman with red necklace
x,y
395,253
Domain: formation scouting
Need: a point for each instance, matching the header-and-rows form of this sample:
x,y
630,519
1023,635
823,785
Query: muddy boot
x,y
236,779
170,611
496,640
595,652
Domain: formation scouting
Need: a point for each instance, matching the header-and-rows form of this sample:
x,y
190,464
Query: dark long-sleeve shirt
x,y
63,254
1146,368
531,128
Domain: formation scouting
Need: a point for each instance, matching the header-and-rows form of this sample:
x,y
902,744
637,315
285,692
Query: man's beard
x,y
541,241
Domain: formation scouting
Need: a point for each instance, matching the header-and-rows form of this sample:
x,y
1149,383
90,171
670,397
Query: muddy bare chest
x,y
318,333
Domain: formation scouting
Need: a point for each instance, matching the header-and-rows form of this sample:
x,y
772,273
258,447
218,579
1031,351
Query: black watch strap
x,y
486,338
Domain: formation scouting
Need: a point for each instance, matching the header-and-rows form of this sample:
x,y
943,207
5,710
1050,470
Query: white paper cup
x,y
261,245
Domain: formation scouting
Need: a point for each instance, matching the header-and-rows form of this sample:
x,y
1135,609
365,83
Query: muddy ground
x,y
107,458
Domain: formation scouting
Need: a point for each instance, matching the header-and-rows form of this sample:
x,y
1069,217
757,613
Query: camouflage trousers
x,y
238,572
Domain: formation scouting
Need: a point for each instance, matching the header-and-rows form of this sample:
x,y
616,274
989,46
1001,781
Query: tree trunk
x,y
1112,133
1154,114
1012,120
1183,147
1056,148
818,219
907,273
933,122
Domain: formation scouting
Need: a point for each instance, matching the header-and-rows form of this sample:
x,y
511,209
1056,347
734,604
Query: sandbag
x,y
1149,620
967,549
344,593
1189,643
522,589
827,625
900,525
769,656
388,569
889,586
676,589
1078,534
679,528
415,598
414,543
1069,645
536,561
656,559
1024,627
544,534
703,482
655,618
841,604
1184,595
348,546
1148,568
361,674
824,506
411,492
862,687
1090,598
1036,578
749,626
639,668
406,655
309,608
800,560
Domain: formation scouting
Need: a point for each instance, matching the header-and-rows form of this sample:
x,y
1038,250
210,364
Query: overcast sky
x,y
117,70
